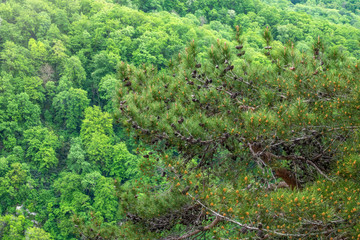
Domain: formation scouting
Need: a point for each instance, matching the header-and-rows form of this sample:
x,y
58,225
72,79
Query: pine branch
x,y
318,169
202,229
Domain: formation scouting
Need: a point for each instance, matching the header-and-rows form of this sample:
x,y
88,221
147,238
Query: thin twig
x,y
208,227
318,169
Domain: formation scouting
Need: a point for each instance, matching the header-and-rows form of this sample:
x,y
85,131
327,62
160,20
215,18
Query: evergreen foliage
x,y
262,150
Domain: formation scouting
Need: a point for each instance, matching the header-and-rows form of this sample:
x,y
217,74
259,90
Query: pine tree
x,y
245,151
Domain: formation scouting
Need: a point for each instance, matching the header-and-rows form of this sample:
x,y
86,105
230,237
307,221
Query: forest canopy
x,y
132,119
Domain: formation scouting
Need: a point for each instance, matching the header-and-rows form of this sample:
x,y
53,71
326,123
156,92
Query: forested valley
x,y
184,119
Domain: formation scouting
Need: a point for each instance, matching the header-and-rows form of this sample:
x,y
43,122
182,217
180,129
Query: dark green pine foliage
x,y
260,150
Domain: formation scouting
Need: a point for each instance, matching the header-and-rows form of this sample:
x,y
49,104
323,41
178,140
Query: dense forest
x,y
154,119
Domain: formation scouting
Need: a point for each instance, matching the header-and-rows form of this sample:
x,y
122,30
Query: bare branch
x,y
318,169
208,227
258,229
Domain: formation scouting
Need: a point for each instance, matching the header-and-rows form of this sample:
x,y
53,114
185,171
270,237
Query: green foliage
x,y
38,52
72,200
97,135
34,89
14,185
41,146
15,59
74,72
60,158
76,158
99,149
240,129
122,162
105,201
22,111
103,63
107,88
69,106
96,123
12,227
37,234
